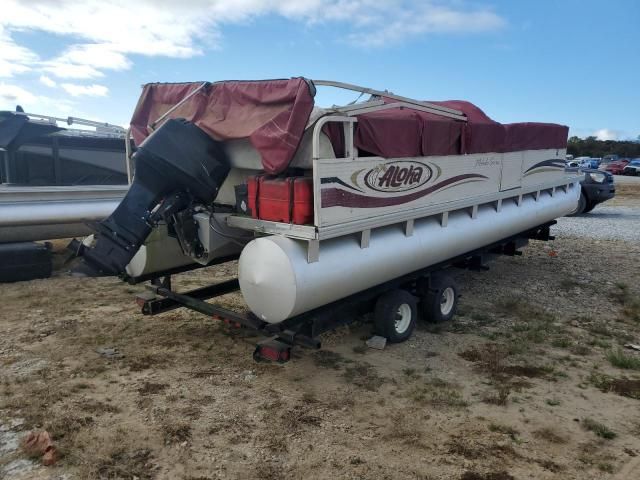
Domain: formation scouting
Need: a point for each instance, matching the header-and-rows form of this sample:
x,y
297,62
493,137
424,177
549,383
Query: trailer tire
x,y
590,206
395,315
580,208
440,301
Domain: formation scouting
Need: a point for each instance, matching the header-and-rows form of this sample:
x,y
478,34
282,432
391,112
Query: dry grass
x,y
598,428
329,359
149,388
299,417
620,359
491,358
551,435
629,302
627,387
175,432
522,310
403,430
109,453
473,450
502,475
500,395
504,429
568,283
629,191
364,376
437,392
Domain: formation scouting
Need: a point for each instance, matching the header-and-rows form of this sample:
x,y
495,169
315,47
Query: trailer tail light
x,y
143,298
272,350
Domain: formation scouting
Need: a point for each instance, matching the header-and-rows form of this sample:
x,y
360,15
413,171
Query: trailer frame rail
x,y
305,328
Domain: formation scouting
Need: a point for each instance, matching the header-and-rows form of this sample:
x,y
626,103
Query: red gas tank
x,y
288,200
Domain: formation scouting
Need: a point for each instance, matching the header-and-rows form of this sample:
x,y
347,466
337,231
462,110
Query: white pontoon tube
x,y
277,282
42,213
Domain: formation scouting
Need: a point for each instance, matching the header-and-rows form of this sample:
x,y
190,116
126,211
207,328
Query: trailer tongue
x,y
343,208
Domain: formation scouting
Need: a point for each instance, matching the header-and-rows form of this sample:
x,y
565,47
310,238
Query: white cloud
x,y
606,134
12,95
428,19
47,81
14,59
62,69
16,95
87,60
96,55
109,32
85,90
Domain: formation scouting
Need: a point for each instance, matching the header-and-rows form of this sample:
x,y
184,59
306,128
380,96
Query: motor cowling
x,y
178,161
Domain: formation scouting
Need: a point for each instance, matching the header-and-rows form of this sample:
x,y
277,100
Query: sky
x,y
575,62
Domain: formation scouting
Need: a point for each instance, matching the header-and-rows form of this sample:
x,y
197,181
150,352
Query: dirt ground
x,y
530,381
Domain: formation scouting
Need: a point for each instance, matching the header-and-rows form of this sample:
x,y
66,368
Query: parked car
x,y
632,168
597,187
584,162
594,162
616,167
610,158
578,163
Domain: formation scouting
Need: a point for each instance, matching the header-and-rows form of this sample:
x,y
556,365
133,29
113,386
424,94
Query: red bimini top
x,y
272,114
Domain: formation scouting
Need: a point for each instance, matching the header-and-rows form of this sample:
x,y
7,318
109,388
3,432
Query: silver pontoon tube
x,y
43,213
277,282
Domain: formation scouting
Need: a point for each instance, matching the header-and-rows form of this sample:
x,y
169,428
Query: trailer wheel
x,y
590,206
395,315
440,300
580,208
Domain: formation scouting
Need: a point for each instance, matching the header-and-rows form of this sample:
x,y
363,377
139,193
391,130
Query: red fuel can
x,y
287,200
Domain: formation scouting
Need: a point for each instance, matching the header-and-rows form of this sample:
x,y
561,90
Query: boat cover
x,y
272,114
403,132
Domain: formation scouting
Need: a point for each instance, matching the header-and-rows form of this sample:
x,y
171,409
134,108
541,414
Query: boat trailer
x,y
304,329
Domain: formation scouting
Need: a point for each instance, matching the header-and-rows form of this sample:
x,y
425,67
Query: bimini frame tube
x,y
425,106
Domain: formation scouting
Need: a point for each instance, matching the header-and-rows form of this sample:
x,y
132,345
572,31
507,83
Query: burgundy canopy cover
x,y
535,136
272,114
403,132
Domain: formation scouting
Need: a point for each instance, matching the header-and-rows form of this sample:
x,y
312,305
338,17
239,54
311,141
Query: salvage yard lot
x,y
531,380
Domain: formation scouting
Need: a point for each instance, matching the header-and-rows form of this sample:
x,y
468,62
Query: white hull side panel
x,y
277,282
366,187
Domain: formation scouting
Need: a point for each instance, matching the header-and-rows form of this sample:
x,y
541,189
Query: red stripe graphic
x,y
334,197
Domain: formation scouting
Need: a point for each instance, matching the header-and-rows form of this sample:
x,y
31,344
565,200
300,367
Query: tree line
x,y
592,147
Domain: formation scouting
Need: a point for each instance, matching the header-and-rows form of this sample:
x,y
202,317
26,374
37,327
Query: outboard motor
x,y
177,166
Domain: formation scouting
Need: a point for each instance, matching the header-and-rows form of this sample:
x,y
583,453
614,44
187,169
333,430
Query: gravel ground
x,y
626,180
603,223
